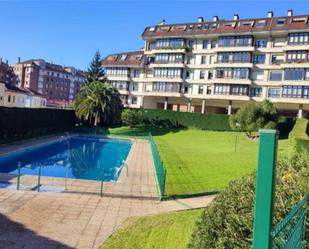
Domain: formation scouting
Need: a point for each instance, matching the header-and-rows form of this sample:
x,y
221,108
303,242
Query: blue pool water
x,y
77,157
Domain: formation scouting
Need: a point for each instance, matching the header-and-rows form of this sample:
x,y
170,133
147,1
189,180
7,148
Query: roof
x,y
53,67
284,23
27,91
133,58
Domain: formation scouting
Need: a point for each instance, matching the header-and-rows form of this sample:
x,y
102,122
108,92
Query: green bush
x,y
252,117
173,119
227,222
298,137
132,117
285,125
18,123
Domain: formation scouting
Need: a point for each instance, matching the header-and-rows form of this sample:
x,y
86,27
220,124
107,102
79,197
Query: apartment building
x,y
59,84
7,73
217,66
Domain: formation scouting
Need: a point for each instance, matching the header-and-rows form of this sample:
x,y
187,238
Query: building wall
x,y
55,82
2,94
202,77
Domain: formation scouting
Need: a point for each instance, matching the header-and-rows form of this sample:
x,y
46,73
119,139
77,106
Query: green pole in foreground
x,y
265,185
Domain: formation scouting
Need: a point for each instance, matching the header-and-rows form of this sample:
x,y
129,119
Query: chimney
x,y
236,17
18,60
200,19
290,12
270,14
0,60
216,18
162,22
6,62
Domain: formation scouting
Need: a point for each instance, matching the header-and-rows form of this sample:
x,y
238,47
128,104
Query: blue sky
x,y
69,32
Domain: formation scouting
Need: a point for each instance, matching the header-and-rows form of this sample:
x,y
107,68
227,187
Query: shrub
x,y
254,116
17,123
298,137
173,119
132,117
227,222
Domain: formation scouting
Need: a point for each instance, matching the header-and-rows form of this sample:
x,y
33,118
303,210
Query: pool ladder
x,y
36,187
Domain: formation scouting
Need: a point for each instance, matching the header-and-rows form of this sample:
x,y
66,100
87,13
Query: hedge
x,y
227,223
18,123
298,137
174,119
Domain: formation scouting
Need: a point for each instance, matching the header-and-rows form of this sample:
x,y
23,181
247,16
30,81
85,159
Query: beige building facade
x,y
217,66
14,96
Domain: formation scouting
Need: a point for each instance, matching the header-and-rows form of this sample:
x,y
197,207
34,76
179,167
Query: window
x,y
306,92
133,100
169,58
9,98
298,38
296,74
167,72
260,43
213,43
297,56
240,57
232,89
117,71
165,87
256,91
200,89
205,44
258,75
235,41
190,43
274,92
281,21
275,76
169,43
292,91
259,59
260,23
203,59
208,90
202,74
233,73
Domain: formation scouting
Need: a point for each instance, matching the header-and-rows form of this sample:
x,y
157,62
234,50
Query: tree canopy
x,y
98,103
253,116
95,70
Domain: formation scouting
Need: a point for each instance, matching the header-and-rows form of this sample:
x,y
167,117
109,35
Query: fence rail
x,y
158,165
292,231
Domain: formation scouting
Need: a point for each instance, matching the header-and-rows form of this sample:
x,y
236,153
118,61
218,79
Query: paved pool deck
x,y
32,220
137,180
77,216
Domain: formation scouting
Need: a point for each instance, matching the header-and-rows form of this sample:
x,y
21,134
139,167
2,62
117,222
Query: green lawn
x,y
201,161
164,231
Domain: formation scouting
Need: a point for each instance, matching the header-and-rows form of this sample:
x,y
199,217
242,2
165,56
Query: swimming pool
x,y
78,157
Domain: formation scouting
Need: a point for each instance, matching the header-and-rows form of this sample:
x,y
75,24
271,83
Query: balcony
x,y
167,64
290,47
119,77
235,49
182,49
232,81
233,64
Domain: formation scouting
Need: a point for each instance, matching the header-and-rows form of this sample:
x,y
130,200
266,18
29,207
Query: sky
x,y
69,32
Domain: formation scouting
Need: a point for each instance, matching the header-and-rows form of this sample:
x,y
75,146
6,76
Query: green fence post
x,y
265,184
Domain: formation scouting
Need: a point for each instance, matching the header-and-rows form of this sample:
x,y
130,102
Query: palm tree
x,y
97,103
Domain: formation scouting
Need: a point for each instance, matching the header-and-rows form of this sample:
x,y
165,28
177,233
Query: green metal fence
x,y
292,231
159,167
